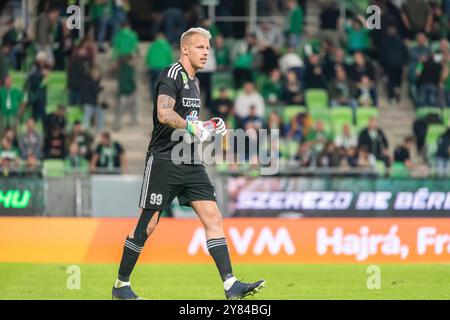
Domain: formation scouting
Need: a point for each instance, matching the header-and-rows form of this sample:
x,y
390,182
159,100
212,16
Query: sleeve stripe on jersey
x,y
175,72
171,68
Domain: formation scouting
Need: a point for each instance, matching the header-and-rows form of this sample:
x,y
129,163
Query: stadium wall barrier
x,y
251,240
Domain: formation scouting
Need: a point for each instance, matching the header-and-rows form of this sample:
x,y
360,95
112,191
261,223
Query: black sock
x,y
219,251
131,251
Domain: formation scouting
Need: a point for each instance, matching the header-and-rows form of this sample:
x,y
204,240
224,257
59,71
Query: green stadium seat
x,y
434,131
316,98
399,170
319,114
53,168
288,148
446,117
339,116
380,167
290,111
363,114
18,79
222,79
74,113
422,112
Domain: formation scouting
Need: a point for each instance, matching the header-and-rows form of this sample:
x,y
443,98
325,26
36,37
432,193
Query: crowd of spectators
x,y
269,68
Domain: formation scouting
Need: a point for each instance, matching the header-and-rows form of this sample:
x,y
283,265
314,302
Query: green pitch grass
x,y
40,281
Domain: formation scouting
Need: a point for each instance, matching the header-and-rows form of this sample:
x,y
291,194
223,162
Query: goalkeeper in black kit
x,y
176,101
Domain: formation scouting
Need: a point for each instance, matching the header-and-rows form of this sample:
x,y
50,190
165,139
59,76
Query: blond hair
x,y
187,34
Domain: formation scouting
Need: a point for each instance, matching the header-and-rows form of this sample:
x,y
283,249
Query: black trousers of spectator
x,y
241,76
205,86
394,75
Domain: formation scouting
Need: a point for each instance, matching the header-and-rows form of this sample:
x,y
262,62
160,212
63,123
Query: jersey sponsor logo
x,y
193,116
191,102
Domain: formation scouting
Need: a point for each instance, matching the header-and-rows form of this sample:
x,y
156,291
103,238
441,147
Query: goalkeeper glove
x,y
220,126
200,130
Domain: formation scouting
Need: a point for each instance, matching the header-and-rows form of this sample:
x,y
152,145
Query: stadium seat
x,y
53,168
339,116
56,90
446,117
288,148
380,167
399,170
316,98
222,79
290,111
422,112
434,131
18,79
319,114
74,113
363,115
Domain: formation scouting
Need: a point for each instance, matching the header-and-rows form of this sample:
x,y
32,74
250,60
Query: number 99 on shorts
x,y
156,199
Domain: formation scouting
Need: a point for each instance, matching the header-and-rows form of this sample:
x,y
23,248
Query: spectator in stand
x,y
243,55
109,156
245,100
159,55
363,159
55,144
253,121
317,137
403,152
30,142
330,157
11,104
330,21
393,57
91,48
127,92
443,155
102,14
5,50
10,134
346,138
358,36
361,67
291,61
337,61
45,30
274,122
222,52
272,88
374,140
304,156
446,79
63,44
9,156
296,129
78,72
294,23
74,159
314,75
222,107
82,138
365,92
173,24
268,32
416,53
36,86
341,90
204,76
292,89
90,90
120,14
416,17
439,25
429,75
125,41
56,119
17,39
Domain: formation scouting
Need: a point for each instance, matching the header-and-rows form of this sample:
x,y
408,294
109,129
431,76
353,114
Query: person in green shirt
x,y
9,156
358,36
11,104
294,27
222,52
318,136
127,91
125,41
446,79
159,55
102,14
272,88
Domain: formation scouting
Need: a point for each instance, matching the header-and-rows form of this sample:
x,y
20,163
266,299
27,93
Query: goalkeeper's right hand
x,y
198,130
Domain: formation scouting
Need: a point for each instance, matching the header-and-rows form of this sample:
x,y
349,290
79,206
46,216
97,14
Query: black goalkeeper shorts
x,y
163,181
